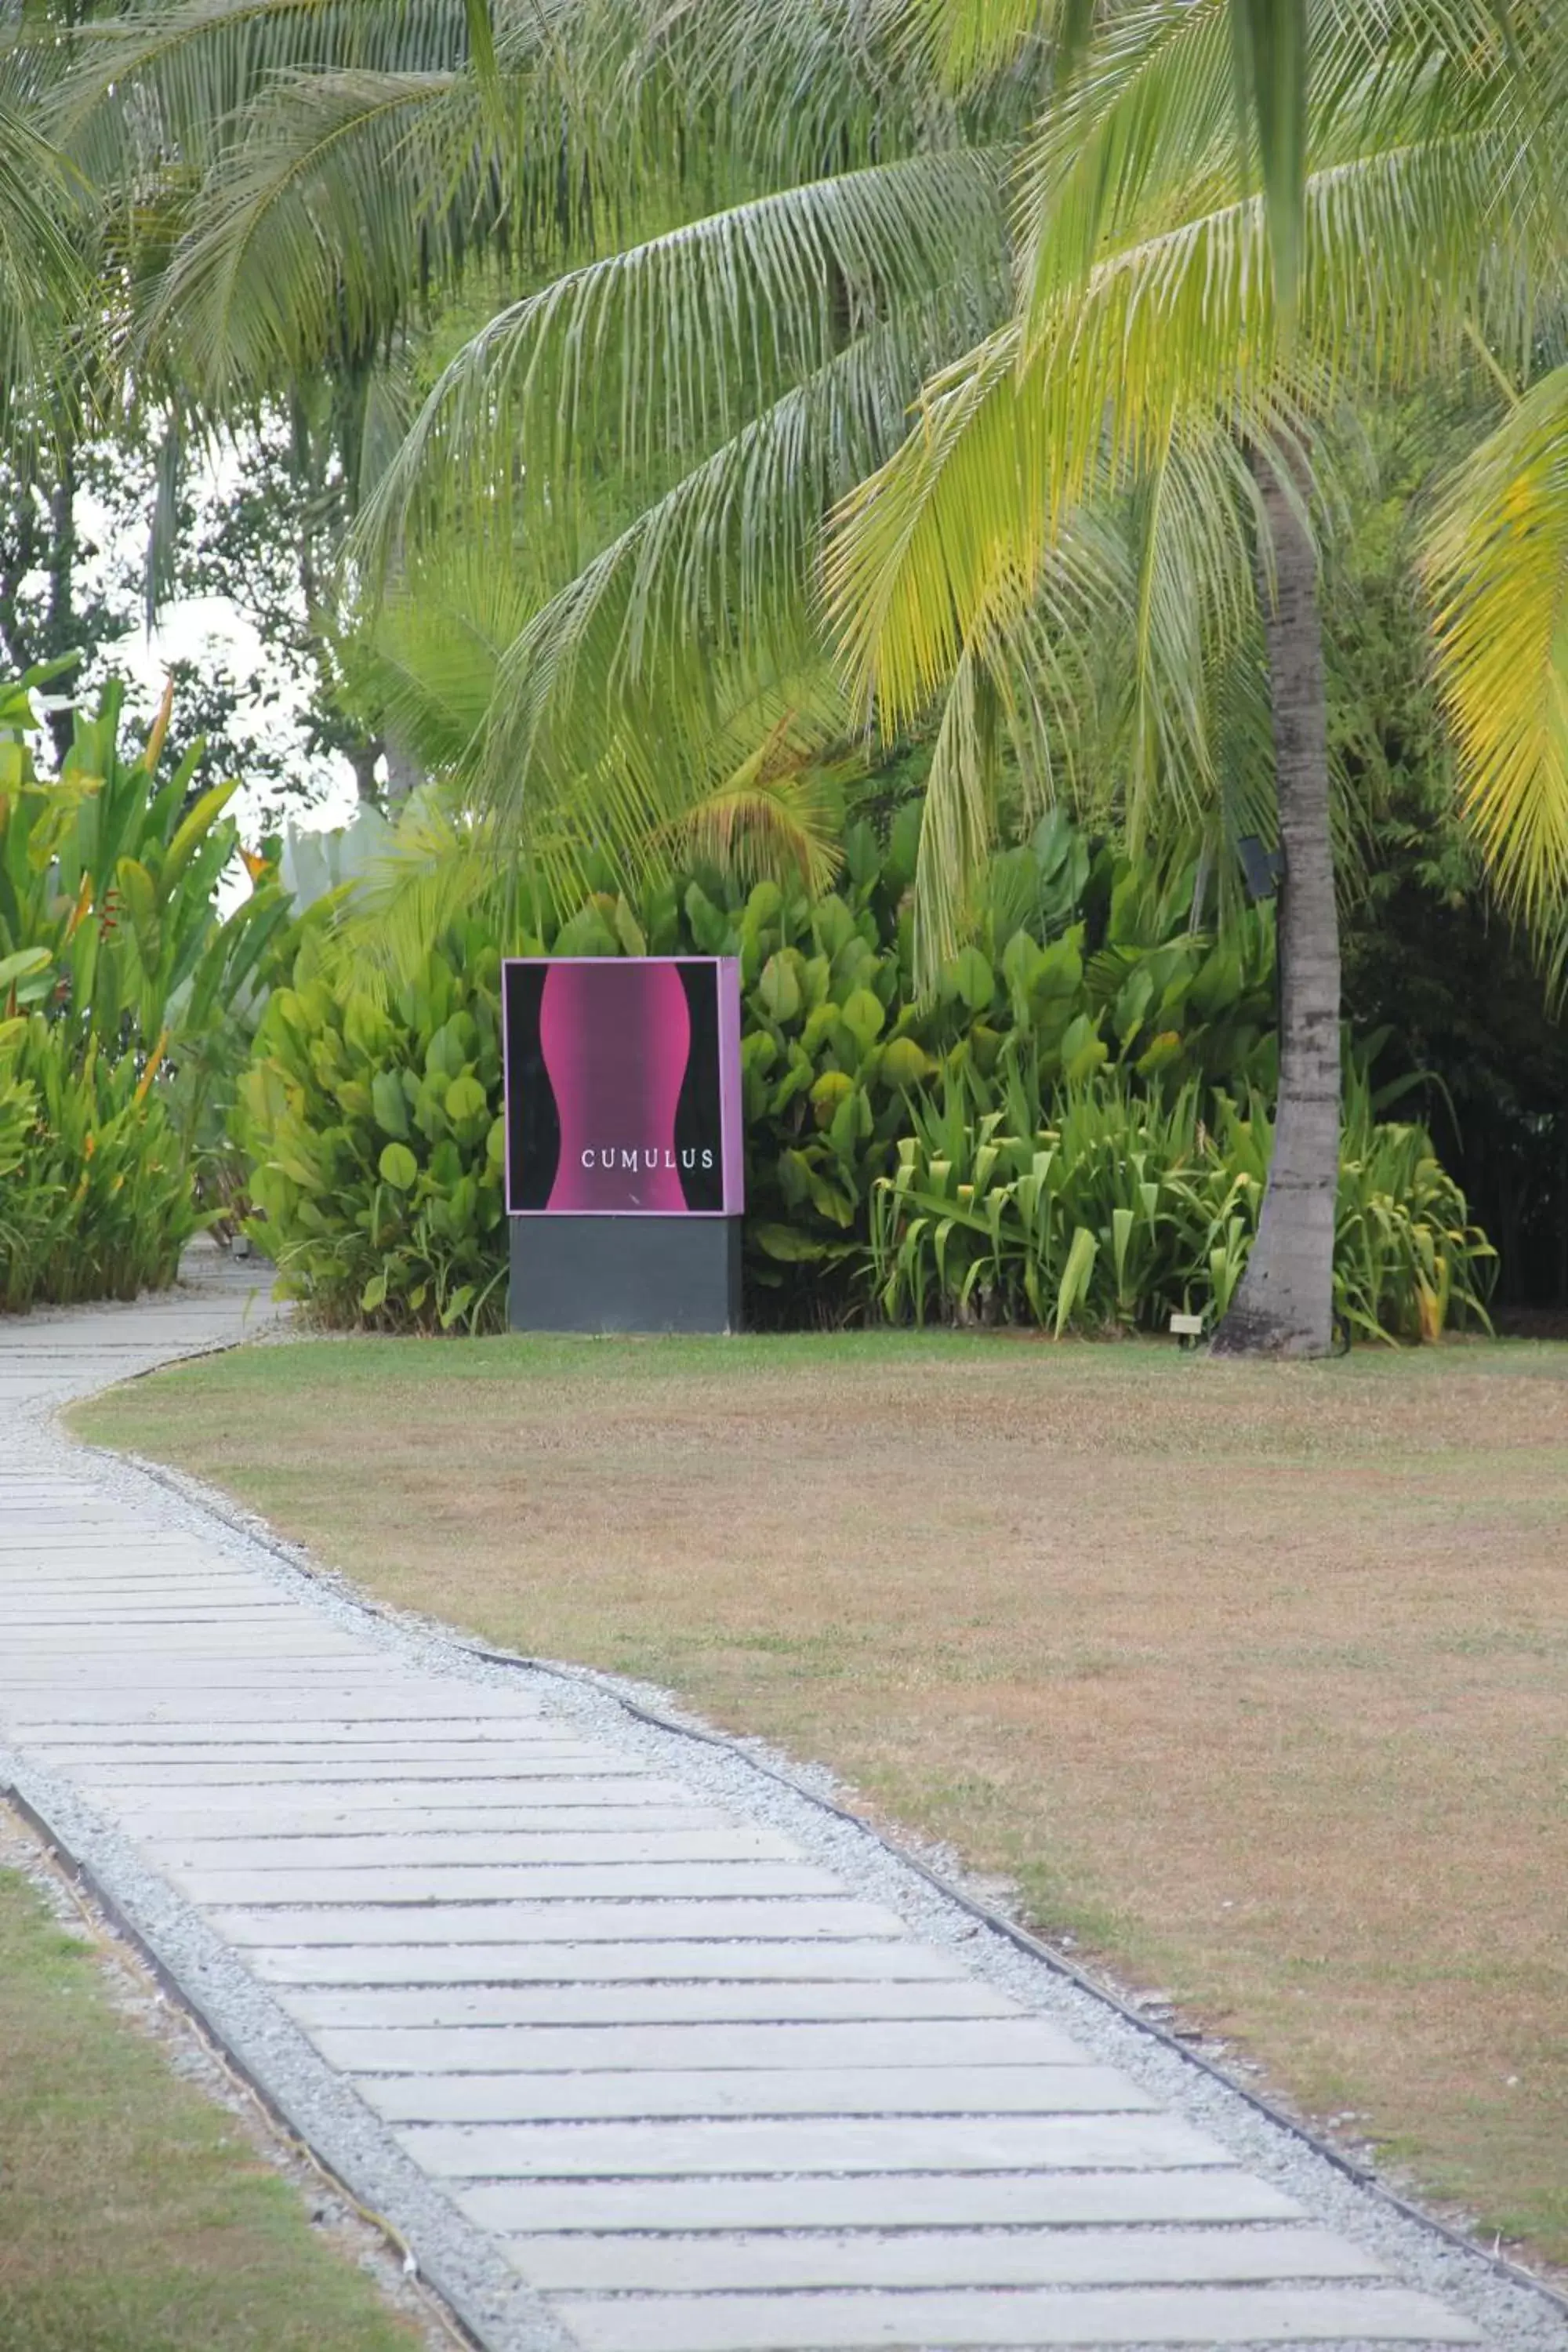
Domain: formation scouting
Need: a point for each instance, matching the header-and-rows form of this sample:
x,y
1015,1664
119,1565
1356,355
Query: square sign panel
x,y
623,1085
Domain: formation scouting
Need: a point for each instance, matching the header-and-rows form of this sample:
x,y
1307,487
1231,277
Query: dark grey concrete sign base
x,y
625,1274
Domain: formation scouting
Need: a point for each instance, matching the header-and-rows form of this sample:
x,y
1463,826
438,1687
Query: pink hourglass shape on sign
x,y
615,1037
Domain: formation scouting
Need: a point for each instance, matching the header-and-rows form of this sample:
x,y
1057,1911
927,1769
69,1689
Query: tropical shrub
x,y
1043,1141
1074,962
140,1004
1109,1210
111,871
95,1200
835,1037
372,1119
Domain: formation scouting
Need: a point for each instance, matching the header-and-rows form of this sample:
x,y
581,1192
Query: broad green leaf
x,y
905,1064
398,1167
389,1104
974,978
466,1100
780,987
863,1015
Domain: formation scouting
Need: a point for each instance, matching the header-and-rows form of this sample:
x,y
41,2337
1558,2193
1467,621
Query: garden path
x,y
695,2088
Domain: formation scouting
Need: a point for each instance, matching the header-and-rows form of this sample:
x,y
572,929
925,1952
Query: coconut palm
x,y
1147,310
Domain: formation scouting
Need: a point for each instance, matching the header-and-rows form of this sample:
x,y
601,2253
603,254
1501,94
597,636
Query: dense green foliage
x,y
375,1131
95,1192
380,1187
1086,1006
1105,1210
623,639
126,1006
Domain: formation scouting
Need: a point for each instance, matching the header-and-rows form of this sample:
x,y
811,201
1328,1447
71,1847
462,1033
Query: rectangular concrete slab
x,y
47,1619
967,2091
1207,2316
165,1653
267,1721
641,2006
953,2045
363,1761
815,2144
574,1845
224,1769
1166,2199
594,1811
542,1963
439,1882
908,2258
367,1924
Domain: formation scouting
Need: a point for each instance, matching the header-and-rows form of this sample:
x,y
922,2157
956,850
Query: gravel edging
x,y
458,2259
1518,2312
138,1999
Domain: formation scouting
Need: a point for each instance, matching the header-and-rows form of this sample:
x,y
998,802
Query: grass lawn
x,y
133,2215
1253,1678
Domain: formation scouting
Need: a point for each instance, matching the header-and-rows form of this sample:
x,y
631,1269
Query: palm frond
x,y
1173,326
438,865
779,814
1498,563
41,279
437,646
715,576
1176,98
155,80
349,191
967,42
650,356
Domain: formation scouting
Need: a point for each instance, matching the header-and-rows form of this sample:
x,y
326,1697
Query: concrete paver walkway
x,y
705,2096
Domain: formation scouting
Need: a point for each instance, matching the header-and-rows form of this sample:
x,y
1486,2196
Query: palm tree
x,y
821,188
1148,313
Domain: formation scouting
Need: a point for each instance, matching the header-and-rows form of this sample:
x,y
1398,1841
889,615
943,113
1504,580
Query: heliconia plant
x,y
127,1001
95,1192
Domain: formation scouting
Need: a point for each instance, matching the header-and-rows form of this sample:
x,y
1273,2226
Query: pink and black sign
x,y
623,1085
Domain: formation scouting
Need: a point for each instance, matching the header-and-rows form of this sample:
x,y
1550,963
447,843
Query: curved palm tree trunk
x,y
1284,1305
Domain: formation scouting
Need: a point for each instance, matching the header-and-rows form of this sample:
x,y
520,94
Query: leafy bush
x,y
110,872
1114,1209
96,1201
375,1133
1073,959
139,1004
1040,1141
1072,955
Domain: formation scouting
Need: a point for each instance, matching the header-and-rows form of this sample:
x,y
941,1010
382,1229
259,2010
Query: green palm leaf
x,y
1498,561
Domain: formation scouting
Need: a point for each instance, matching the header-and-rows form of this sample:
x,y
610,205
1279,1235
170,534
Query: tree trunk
x,y
361,756
1284,1304
404,773
61,631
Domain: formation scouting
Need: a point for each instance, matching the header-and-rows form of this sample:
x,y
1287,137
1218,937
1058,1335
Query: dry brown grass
x,y
1253,1678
